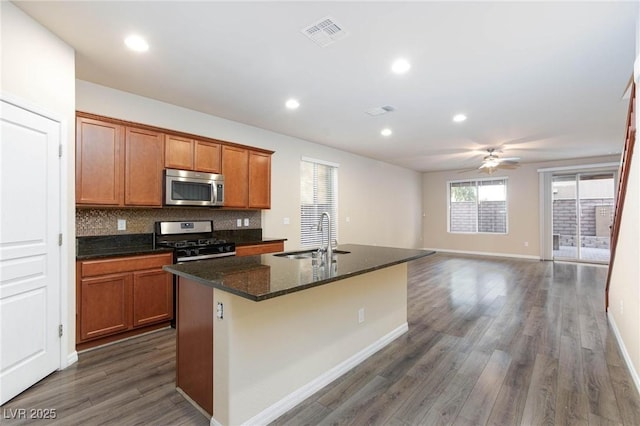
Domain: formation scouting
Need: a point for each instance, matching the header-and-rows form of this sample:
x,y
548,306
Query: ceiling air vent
x,y
380,110
325,32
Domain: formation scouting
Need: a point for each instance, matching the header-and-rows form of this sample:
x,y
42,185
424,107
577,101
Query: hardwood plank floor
x,y
491,341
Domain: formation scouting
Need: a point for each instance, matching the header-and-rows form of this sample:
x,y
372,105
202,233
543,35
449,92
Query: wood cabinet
x,y
99,162
247,178
259,180
191,154
118,165
144,162
235,169
255,249
123,296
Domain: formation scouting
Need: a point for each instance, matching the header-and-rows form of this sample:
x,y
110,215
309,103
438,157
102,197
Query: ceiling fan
x,y
493,162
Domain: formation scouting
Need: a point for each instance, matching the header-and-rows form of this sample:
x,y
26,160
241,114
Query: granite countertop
x,y
267,276
97,247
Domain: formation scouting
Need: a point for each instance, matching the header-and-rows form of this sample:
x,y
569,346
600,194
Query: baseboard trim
x,y
72,358
484,253
623,349
290,401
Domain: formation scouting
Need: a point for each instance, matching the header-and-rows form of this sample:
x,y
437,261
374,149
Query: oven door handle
x,y
205,256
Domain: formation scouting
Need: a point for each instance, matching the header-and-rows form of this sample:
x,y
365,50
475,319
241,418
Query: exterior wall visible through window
x,y
478,206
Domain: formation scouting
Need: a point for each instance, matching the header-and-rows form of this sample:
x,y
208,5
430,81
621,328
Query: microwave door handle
x,y
214,193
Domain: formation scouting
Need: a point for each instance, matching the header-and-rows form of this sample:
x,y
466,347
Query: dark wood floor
x,y
490,341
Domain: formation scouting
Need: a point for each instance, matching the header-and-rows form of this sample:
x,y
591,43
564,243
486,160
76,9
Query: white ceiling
x,y
541,80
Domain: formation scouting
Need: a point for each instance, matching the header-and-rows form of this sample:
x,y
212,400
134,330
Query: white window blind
x,y
477,206
318,194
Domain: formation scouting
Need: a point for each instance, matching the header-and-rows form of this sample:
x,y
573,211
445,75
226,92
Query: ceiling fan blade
x,y
508,159
507,166
467,170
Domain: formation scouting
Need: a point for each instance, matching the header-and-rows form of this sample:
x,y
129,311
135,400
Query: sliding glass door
x,y
582,216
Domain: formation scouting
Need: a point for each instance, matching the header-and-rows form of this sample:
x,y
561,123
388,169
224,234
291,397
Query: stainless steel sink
x,y
305,254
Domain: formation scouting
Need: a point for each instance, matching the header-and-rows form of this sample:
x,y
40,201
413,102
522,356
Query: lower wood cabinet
x,y
255,249
122,296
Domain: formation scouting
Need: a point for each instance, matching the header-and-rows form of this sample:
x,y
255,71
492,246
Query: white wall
x,y
523,211
624,290
38,69
383,202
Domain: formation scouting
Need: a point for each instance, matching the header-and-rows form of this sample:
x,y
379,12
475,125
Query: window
x,y
477,206
318,194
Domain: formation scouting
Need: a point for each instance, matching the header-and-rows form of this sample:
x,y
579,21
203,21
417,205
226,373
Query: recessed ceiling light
x,y
400,66
459,118
386,132
292,104
136,43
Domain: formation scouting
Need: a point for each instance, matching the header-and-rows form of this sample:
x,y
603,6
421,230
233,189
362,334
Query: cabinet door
x,y
259,180
152,297
105,305
178,152
144,163
99,162
207,157
235,168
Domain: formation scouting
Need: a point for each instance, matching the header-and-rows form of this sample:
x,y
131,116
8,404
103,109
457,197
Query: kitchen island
x,y
259,334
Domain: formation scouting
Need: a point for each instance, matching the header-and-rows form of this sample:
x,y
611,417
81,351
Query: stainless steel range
x,y
192,240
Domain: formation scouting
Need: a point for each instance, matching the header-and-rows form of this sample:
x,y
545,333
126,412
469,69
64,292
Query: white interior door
x,y
29,250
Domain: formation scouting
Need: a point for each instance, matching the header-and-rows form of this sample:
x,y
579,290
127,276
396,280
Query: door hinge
x,y
60,150
60,330
60,239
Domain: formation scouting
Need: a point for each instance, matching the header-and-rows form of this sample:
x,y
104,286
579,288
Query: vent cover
x,y
380,110
325,32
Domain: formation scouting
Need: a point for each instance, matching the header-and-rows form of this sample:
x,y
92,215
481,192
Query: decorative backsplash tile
x,y
139,221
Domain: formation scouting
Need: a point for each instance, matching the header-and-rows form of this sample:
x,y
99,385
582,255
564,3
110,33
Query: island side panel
x,y
194,342
275,347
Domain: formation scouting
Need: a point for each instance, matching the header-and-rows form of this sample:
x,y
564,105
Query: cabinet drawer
x,y
90,268
260,249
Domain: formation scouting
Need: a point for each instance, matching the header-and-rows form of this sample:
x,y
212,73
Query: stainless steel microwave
x,y
187,188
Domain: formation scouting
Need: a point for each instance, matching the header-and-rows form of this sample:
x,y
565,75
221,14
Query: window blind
x,y
318,194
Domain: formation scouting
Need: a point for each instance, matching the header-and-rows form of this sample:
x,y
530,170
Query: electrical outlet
x,y
526,243
220,310
122,224
360,315
239,223
285,221
621,307
246,221
348,219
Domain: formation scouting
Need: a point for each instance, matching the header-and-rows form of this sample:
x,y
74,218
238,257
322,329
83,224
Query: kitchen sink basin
x,y
305,254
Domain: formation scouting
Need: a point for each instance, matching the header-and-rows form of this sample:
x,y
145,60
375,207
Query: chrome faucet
x,y
328,250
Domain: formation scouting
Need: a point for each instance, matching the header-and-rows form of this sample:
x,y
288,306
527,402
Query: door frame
x,y
66,249
546,199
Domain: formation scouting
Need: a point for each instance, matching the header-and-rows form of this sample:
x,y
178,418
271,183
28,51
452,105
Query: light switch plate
x,y
246,221
122,224
239,223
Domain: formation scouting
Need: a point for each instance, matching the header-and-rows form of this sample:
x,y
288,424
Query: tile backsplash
x,y
91,222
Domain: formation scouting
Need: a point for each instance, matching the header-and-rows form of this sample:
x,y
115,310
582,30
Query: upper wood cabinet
x,y
178,153
235,169
259,180
144,162
191,154
99,162
247,178
118,165
207,156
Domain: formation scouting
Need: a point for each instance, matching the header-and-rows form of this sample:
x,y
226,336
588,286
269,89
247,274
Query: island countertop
x,y
267,276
